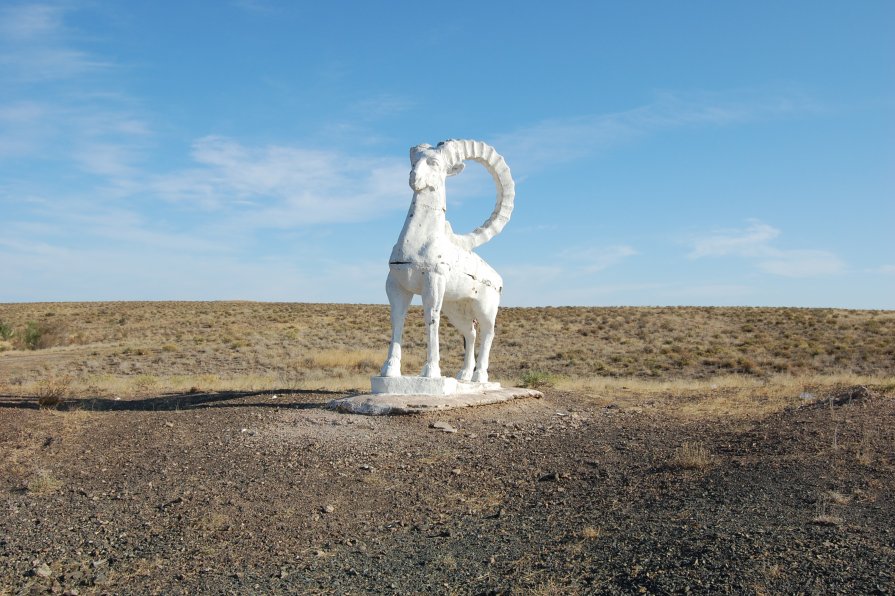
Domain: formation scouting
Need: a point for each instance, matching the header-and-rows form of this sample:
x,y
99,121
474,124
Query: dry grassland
x,y
692,361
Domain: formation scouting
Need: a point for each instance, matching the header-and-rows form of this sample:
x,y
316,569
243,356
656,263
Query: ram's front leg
x,y
433,296
399,299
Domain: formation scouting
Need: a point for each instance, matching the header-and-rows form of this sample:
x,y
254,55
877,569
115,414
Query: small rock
x,y
443,427
456,471
43,570
169,424
328,509
549,477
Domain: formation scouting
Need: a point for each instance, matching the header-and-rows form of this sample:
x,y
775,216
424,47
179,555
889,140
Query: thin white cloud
x,y
260,7
754,242
564,139
38,271
594,259
33,46
381,106
565,280
28,21
750,241
886,270
801,263
286,185
91,125
704,293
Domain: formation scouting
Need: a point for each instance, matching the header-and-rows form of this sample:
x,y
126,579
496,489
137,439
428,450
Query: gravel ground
x,y
271,492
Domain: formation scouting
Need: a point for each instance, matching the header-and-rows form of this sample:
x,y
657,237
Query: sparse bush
x,y
31,336
37,336
145,383
42,482
5,330
51,392
824,517
691,456
534,379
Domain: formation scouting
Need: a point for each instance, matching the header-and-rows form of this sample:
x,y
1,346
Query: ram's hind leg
x,y
487,317
461,317
399,299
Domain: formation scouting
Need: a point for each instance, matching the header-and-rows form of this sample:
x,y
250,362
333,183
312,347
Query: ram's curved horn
x,y
457,151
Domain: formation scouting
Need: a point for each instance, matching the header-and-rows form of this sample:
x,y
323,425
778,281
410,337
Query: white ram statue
x,y
430,260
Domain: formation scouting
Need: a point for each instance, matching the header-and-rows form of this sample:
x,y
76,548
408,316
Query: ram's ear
x,y
456,169
415,150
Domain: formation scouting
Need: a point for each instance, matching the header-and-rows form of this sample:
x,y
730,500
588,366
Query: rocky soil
x,y
236,493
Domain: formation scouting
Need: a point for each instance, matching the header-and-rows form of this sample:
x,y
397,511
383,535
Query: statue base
x,y
412,395
426,386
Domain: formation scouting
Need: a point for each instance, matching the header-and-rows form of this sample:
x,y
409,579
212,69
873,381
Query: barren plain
x,y
186,448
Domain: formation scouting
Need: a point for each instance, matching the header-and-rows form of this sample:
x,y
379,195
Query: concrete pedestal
x,y
408,395
425,386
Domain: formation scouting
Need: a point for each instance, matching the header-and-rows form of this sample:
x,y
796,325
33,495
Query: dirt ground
x,y
269,492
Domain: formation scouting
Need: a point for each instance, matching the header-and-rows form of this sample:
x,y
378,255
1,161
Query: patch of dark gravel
x,y
273,493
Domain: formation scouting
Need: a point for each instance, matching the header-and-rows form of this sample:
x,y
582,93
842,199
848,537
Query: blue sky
x,y
688,153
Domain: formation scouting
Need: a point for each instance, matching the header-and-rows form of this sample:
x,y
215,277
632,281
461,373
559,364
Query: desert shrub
x,y
31,336
691,456
38,336
5,330
145,383
51,392
535,379
42,482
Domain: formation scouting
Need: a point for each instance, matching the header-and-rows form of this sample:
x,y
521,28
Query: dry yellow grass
x,y
692,362
728,395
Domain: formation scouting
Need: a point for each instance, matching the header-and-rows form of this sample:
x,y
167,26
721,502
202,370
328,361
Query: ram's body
x,y
431,261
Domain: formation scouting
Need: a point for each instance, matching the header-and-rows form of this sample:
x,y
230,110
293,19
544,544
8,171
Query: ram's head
x,y
430,166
